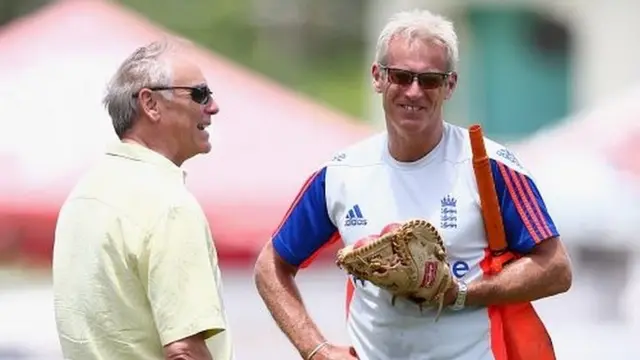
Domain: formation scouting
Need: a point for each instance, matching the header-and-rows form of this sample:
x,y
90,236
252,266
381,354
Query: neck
x,y
161,148
414,146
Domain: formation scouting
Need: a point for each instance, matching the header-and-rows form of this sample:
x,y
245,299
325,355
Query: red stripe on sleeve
x,y
544,227
520,205
296,201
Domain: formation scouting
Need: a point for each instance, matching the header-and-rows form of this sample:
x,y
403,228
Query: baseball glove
x,y
408,260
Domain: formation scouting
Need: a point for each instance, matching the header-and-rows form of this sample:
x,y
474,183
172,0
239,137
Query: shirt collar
x,y
137,152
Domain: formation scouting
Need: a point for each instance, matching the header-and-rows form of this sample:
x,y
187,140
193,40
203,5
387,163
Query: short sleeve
x,y
524,213
180,274
306,227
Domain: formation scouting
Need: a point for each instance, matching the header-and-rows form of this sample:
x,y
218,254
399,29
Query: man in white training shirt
x,y
420,167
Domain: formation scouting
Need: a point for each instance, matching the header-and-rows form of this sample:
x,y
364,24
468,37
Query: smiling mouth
x,y
412,107
202,126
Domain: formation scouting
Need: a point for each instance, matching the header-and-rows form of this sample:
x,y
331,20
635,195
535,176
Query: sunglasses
x,y
426,80
200,94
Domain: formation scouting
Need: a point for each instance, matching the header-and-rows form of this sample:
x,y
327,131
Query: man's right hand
x,y
335,352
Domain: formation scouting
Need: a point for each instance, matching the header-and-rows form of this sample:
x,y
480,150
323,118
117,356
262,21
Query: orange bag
x,y
517,333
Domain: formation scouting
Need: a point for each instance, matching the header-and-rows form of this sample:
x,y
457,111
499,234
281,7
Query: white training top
x,y
363,189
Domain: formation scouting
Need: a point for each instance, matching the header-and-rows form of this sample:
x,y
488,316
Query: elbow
x,y
261,276
269,267
559,274
258,269
563,277
259,279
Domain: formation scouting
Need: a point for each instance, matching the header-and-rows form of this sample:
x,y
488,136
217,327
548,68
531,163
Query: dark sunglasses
x,y
426,80
200,94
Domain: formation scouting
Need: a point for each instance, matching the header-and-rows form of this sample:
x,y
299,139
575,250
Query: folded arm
x,y
543,268
545,272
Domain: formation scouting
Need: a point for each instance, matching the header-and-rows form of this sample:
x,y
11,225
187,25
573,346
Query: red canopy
x,y
588,168
54,66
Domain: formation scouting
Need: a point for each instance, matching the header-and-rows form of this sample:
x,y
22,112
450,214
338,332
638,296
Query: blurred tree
x,y
12,9
318,45
313,47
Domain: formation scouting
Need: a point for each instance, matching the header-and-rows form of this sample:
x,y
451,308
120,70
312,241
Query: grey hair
x,y
418,24
147,66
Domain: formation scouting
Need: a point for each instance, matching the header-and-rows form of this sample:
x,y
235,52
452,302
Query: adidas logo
x,y
354,217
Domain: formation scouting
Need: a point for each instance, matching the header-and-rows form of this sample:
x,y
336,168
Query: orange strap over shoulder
x,y
517,333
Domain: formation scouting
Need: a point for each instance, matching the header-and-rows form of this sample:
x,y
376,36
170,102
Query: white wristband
x,y
315,351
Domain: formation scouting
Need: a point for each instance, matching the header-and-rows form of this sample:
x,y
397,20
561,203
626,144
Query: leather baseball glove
x,y
408,260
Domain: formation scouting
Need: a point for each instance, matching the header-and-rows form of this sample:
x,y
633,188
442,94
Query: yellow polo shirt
x,y
134,265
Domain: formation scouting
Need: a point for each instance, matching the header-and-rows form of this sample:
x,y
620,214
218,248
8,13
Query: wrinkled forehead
x,y
417,54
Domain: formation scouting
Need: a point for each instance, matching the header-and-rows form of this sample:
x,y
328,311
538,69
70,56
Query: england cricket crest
x,y
448,212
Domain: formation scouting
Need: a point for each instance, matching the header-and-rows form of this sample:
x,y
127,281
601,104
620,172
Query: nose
x,y
211,108
414,90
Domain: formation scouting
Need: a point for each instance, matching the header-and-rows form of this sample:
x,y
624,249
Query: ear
x,y
149,104
452,83
377,75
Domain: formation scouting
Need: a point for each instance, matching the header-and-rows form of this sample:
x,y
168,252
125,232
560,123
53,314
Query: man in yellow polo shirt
x,y
135,270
